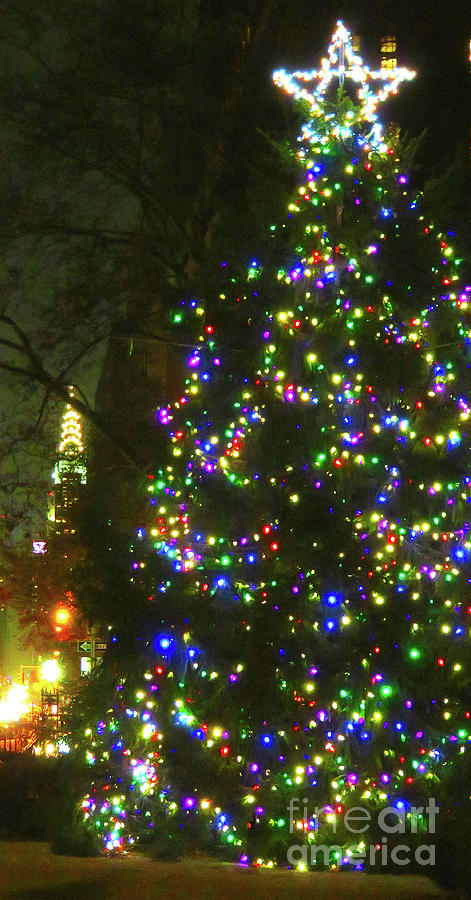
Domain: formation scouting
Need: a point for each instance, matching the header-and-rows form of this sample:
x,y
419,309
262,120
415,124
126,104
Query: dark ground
x,y
28,871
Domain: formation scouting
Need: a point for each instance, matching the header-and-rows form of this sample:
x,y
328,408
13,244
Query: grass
x,y
29,871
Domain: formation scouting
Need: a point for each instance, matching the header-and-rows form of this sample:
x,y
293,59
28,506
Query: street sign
x,y
100,646
84,647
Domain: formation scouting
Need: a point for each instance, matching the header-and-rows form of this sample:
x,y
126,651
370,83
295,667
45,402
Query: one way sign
x,y
84,647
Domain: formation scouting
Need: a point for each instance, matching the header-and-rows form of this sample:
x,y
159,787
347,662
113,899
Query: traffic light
x,y
62,618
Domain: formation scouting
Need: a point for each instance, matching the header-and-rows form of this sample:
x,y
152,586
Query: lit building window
x,y
85,666
388,51
388,44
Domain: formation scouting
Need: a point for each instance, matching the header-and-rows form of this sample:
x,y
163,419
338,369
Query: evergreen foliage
x,y
302,629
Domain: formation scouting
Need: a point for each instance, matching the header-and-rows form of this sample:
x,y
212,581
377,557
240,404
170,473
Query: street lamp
x,y
50,671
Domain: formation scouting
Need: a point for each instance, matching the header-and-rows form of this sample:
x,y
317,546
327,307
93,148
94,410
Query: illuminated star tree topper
x,y
343,64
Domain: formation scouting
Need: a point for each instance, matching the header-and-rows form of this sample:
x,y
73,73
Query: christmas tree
x,y
307,556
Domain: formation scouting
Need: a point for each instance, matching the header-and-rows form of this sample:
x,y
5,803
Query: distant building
x,y
70,472
65,624
387,48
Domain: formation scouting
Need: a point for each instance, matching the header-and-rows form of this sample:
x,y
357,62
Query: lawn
x,y
29,871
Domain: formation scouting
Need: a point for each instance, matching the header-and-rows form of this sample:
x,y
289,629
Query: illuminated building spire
x,y
70,470
71,442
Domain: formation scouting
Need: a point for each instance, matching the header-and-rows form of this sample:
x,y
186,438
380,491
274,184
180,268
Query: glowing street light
x,y
14,704
50,671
